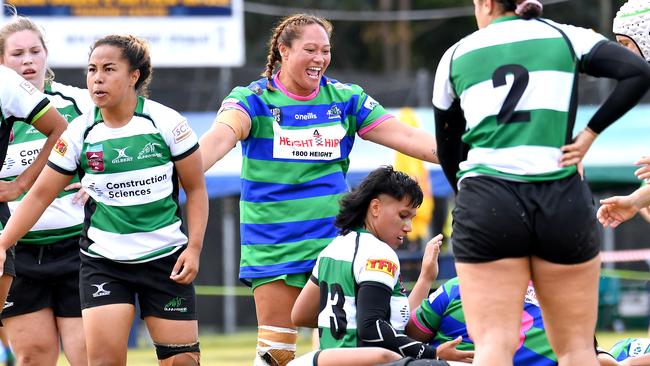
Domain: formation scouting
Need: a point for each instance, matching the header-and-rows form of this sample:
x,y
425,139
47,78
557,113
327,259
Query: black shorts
x,y
47,276
496,218
9,266
104,282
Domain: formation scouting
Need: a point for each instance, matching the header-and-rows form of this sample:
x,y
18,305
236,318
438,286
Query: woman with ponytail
x,y
297,128
522,210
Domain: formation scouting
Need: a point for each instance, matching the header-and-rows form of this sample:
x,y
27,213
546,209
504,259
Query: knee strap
x,y
276,345
164,351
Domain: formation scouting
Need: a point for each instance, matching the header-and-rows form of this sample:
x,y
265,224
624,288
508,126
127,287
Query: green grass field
x,y
237,349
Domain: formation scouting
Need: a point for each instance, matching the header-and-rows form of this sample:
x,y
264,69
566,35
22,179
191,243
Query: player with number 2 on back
x,y
505,99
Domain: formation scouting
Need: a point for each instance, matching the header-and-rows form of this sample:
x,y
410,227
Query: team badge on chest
x,y
95,157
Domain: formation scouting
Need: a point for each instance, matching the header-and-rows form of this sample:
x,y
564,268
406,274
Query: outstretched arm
x,y
618,209
230,126
411,141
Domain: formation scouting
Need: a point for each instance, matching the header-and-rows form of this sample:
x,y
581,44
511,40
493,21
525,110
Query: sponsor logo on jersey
x,y
122,157
256,89
181,132
134,187
100,290
29,87
382,265
149,151
340,86
176,305
370,103
531,296
95,157
334,112
61,147
31,130
277,114
8,163
97,191
28,156
318,138
306,116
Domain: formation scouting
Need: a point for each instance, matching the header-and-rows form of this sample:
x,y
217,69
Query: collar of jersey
x,y
276,81
361,230
504,19
138,109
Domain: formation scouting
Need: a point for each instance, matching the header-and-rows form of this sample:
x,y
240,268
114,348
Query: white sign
x,y
175,40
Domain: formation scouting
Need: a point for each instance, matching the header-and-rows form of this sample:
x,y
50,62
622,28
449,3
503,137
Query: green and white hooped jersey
x,y
516,82
19,101
133,214
62,219
341,267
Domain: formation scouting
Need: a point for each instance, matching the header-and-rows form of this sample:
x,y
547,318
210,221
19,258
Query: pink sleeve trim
x,y
420,326
374,124
234,105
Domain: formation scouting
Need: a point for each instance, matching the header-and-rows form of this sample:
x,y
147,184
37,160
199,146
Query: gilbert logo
x,y
121,156
382,265
100,290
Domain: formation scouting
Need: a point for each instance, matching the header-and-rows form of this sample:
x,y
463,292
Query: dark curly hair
x,y
383,180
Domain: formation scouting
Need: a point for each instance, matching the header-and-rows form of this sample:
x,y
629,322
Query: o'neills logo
x,y
382,265
95,157
306,116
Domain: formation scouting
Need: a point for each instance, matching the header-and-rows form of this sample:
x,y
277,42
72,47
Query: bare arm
x,y
52,125
615,210
229,127
428,272
191,176
40,196
305,310
408,140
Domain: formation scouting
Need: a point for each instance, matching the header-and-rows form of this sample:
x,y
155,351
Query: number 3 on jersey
x,y
334,295
507,113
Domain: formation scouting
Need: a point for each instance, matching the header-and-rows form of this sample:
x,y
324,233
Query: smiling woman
x,y
297,121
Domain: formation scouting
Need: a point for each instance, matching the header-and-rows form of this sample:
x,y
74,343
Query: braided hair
x,y
285,32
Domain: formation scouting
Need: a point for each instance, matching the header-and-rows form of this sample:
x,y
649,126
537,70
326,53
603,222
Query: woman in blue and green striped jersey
x,y
505,99
440,318
297,128
44,296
